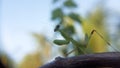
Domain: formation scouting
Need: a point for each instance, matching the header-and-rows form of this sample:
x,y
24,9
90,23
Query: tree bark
x,y
98,60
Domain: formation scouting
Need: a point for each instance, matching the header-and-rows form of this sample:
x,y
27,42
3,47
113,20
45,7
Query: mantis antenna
x,y
92,32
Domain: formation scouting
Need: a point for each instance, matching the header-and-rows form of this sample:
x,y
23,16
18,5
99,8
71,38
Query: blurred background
x,y
27,29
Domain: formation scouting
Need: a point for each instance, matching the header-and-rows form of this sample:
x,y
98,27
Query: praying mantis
x,y
97,60
78,46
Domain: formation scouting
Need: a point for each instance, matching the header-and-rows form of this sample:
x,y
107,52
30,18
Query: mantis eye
x,y
57,28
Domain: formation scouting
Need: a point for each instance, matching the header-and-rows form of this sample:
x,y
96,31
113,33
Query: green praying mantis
x,y
96,60
78,46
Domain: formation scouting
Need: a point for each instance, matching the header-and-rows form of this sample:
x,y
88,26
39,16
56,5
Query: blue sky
x,y
21,17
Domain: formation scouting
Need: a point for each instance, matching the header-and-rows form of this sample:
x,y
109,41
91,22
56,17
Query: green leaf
x,y
57,14
75,17
70,4
61,42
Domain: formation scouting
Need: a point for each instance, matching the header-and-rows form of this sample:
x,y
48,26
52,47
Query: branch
x,y
107,59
